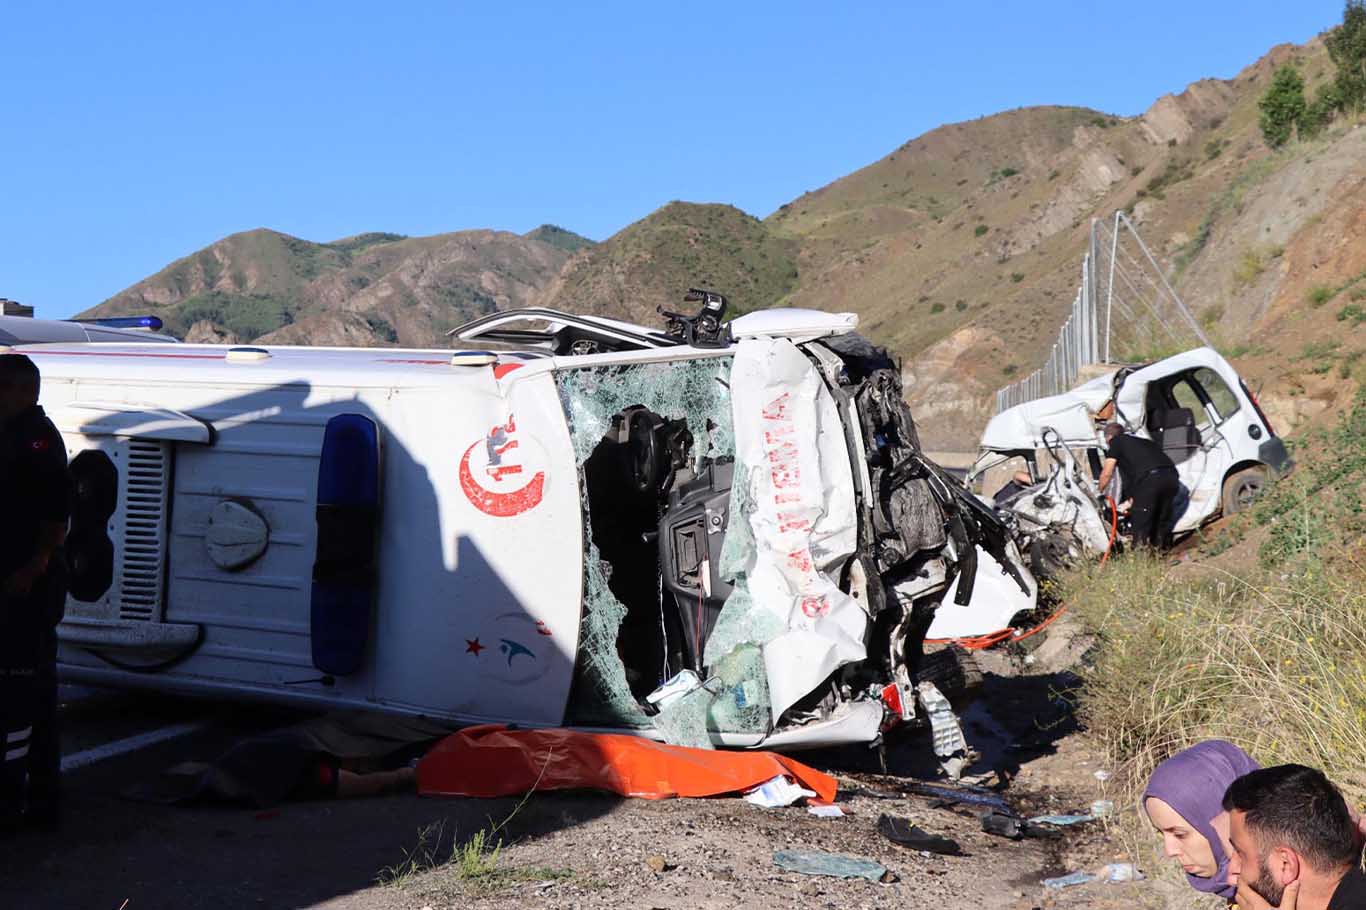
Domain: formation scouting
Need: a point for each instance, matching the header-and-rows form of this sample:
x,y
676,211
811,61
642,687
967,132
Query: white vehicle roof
x,y
277,365
1071,414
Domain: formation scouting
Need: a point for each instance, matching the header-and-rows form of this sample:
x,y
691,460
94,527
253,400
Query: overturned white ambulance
x,y
540,536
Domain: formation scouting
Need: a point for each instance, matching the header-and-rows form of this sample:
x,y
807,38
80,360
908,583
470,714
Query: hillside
x,y
960,250
369,289
655,260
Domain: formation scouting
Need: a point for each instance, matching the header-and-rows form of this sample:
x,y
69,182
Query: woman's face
x,y
1180,840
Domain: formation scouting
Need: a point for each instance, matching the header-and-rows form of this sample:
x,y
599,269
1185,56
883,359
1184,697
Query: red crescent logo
x,y
499,505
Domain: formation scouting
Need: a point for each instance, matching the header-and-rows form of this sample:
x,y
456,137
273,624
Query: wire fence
x,y
1125,311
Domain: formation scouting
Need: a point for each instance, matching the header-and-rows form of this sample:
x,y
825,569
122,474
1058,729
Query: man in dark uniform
x,y
1149,483
35,492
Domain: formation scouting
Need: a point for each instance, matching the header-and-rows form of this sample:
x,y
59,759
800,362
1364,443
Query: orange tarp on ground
x,y
492,760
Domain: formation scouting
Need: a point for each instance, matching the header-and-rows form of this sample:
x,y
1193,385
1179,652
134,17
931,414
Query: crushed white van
x,y
541,536
1194,404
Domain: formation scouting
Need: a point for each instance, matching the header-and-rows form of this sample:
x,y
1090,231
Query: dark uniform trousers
x,y
31,770
1150,517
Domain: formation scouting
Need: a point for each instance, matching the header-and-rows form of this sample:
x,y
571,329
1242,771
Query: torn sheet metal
x,y
950,745
1063,505
790,442
996,598
1070,414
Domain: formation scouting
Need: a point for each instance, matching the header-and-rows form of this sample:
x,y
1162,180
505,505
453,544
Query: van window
x,y
1218,392
1186,397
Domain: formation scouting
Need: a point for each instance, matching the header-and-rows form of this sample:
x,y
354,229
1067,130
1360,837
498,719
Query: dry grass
x,y
1273,659
1277,665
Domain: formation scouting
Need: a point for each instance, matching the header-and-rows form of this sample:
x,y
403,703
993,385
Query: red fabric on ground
x,y
492,760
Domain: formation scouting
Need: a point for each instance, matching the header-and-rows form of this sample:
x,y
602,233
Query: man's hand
x,y
21,582
1124,507
1247,899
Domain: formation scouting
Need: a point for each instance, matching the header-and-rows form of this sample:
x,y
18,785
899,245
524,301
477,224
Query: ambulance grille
x,y
141,573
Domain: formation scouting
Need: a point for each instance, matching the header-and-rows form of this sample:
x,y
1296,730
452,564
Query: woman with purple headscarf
x,y
1184,801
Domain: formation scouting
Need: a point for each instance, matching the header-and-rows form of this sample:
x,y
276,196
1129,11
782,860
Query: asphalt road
x,y
111,849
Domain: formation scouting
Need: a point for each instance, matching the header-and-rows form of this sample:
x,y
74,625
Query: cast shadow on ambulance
x,y
297,552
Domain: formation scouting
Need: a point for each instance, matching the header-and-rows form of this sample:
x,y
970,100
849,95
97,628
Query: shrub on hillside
x,y
1346,45
1282,106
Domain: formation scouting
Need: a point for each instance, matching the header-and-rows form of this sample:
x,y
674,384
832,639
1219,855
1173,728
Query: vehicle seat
x,y
1178,434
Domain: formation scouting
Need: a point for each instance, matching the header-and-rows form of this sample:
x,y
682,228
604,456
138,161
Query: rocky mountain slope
x,y
369,289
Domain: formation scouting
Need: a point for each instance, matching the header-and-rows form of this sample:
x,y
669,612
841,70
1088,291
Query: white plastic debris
x,y
1102,775
681,684
777,792
826,811
1069,880
1118,873
1102,807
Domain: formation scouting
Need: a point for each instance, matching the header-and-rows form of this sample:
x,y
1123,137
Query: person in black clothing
x,y
35,492
1149,482
1295,843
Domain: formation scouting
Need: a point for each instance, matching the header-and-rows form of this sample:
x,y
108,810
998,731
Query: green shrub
x,y
1352,313
936,308
1279,667
1249,268
248,316
1282,106
1319,295
1346,45
1010,369
960,306
381,328
980,230
1017,277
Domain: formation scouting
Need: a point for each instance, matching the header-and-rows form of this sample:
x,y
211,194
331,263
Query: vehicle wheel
x,y
955,672
1242,488
1050,555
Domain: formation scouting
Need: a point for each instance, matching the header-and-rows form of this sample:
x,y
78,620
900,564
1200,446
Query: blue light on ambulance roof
x,y
348,469
149,323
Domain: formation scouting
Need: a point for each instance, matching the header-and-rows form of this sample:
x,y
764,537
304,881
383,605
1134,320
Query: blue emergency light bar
x,y
148,323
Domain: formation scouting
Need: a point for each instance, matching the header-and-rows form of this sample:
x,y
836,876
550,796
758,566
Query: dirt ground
x,y
589,850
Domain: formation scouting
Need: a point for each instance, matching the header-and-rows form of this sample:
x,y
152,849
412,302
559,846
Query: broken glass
x,y
736,699
742,705
601,692
683,721
697,391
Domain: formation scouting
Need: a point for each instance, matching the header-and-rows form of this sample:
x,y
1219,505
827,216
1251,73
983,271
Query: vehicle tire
x,y
1050,555
955,672
1242,488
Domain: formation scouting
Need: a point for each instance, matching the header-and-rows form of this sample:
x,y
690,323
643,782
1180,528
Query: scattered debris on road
x,y
832,864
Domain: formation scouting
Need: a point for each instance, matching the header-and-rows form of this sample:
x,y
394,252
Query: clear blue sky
x,y
134,133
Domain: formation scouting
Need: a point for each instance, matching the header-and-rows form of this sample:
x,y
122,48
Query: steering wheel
x,y
643,445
